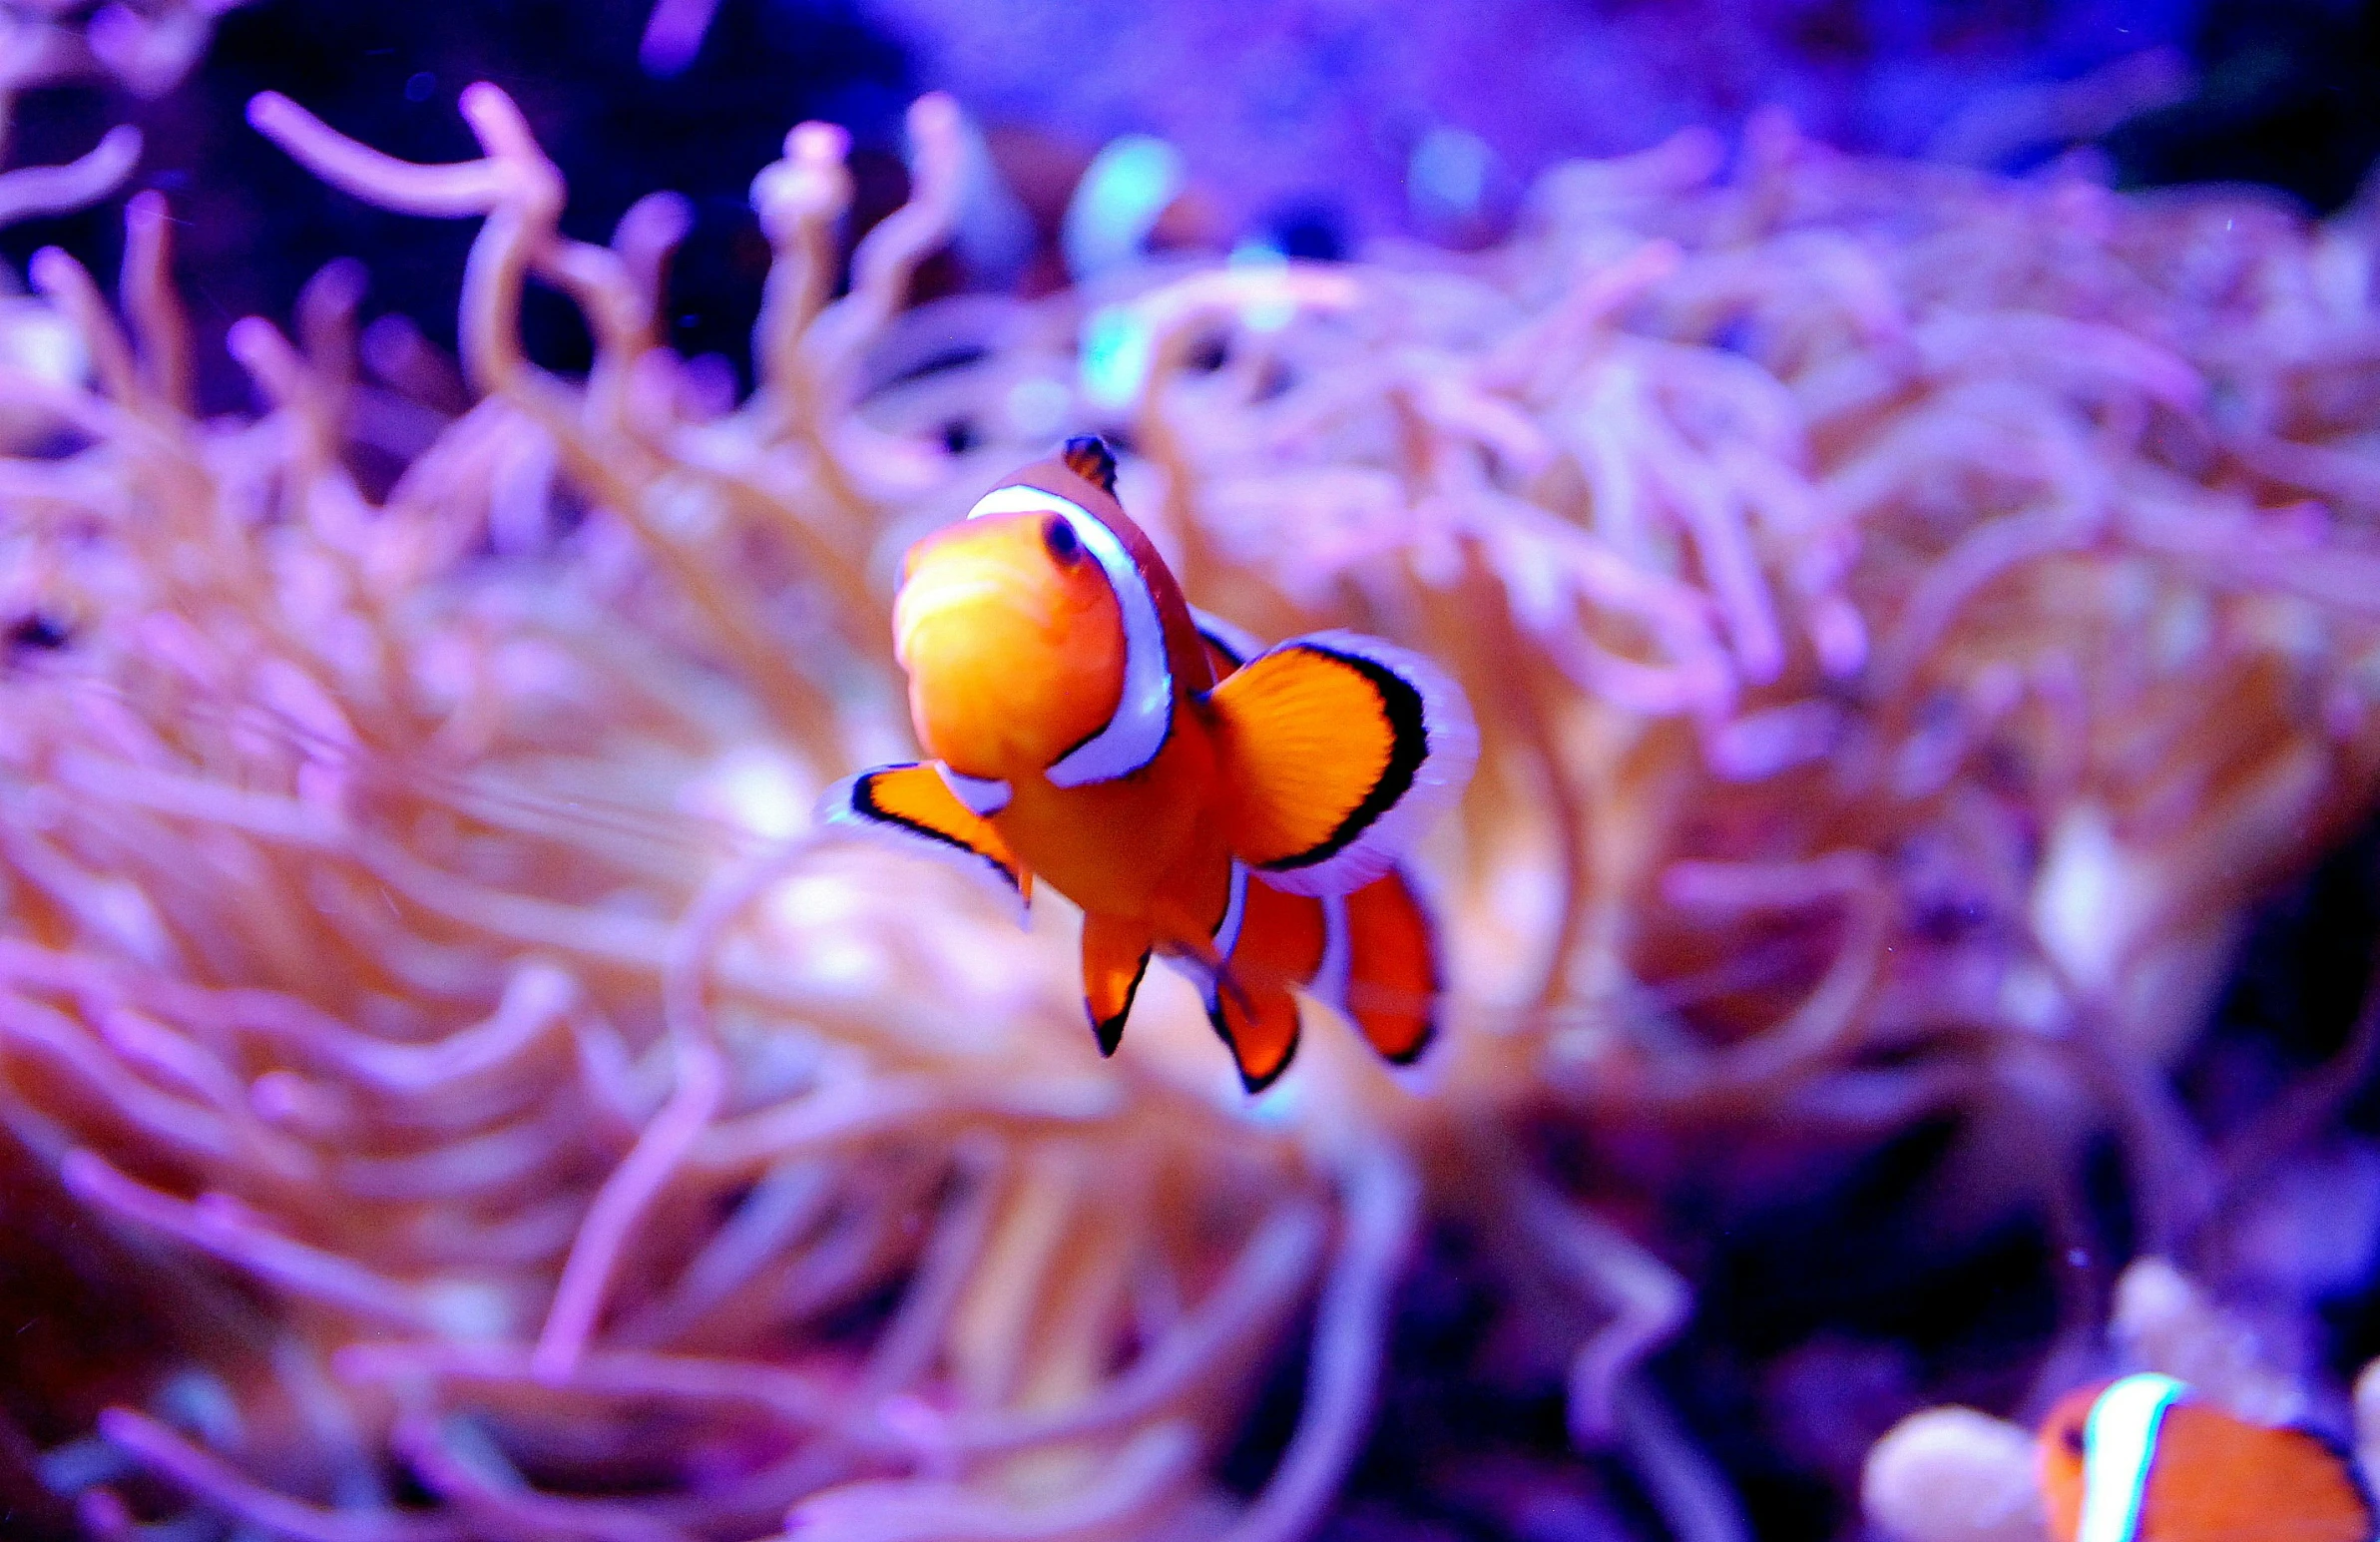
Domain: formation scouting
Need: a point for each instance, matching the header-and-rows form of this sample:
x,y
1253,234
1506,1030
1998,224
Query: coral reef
x,y
415,949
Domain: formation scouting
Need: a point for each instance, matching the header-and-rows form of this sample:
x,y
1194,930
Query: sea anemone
x,y
417,952
1945,1473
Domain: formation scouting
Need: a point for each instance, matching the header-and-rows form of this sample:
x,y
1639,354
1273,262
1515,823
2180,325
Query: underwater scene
x,y
1146,770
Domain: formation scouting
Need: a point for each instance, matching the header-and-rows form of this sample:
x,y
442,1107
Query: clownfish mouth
x,y
950,611
1006,668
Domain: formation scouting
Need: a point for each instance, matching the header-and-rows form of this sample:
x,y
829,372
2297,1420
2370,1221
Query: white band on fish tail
x,y
1338,953
1145,712
2118,1448
1226,934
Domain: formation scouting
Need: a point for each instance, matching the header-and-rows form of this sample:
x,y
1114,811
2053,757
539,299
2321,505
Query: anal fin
x,y
914,805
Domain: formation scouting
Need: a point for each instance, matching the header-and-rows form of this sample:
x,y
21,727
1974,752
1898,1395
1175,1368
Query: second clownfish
x,y
2139,1461
1241,812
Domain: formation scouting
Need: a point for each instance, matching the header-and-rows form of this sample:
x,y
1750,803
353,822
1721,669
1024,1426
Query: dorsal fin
x,y
1088,456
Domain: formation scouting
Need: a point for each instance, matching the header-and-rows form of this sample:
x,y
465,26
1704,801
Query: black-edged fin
x,y
1336,752
1382,948
1088,456
1265,942
1115,958
912,805
1259,1024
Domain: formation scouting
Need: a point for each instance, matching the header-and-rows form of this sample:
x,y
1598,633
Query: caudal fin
x,y
1372,954
1337,749
1392,982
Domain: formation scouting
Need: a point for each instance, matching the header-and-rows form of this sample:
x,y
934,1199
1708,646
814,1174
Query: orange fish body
x,y
2139,1460
1239,813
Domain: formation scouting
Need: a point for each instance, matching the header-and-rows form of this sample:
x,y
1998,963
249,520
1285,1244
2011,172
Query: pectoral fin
x,y
914,805
1335,749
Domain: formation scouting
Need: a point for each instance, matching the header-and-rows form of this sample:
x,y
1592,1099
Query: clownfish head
x,y
2064,1443
1009,626
2142,1460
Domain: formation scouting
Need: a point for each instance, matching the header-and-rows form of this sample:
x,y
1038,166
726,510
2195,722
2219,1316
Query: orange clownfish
x,y
1239,812
2141,1460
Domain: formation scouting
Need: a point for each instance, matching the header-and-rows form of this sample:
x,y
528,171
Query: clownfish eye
x,y
2071,1434
1058,534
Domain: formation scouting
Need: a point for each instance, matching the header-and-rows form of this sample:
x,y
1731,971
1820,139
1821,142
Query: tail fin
x,y
1392,982
1372,954
1336,750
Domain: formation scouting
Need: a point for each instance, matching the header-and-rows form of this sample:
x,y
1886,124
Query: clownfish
x,y
1239,812
2141,1460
